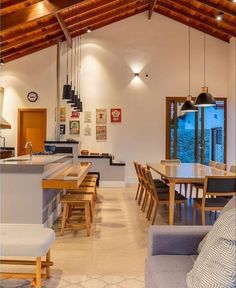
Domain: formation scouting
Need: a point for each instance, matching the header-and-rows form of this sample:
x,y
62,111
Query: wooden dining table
x,y
183,173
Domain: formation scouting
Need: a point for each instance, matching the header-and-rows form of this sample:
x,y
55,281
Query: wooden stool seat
x,y
71,201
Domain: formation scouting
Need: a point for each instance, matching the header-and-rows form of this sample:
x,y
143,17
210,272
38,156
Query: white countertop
x,y
38,160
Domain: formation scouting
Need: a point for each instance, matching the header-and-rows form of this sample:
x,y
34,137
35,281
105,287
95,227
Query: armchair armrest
x,y
175,240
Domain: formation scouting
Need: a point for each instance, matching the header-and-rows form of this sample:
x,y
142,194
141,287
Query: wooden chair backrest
x,y
144,177
170,161
151,184
219,186
212,164
221,166
136,169
232,169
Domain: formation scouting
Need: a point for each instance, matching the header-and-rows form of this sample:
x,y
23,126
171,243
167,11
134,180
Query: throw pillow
x,y
216,264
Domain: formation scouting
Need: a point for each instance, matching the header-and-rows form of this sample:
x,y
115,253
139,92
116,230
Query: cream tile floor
x,y
113,256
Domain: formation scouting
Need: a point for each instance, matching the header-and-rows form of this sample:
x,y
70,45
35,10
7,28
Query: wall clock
x,y
32,96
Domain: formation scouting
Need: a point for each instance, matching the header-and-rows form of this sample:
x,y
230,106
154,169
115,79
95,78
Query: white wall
x,y
231,145
109,57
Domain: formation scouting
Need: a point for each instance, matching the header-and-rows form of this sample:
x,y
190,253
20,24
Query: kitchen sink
x,y
16,160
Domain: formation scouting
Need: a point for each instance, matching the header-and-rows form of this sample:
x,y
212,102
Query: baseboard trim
x,y
111,184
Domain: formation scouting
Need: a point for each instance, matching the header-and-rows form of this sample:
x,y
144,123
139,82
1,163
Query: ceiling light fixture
x,y
205,99
219,17
234,1
89,29
2,62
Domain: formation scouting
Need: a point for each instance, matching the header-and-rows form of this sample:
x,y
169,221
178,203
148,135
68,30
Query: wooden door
x,y
31,127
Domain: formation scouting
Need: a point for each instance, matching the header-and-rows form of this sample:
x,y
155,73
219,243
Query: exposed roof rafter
x,y
151,9
64,29
218,7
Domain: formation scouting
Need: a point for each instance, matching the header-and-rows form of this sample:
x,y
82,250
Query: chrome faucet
x,y
29,143
4,142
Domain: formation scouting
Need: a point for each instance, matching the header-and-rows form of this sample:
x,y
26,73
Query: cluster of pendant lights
x,y
204,99
71,90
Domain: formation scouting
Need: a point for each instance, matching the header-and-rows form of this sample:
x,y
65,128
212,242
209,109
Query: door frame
x,y
176,99
20,110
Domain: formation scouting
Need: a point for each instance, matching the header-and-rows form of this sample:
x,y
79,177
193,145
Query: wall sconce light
x,y
136,74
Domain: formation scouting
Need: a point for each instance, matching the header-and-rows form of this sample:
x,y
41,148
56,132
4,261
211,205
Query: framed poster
x,y
101,116
116,115
63,114
74,127
75,114
87,117
101,133
87,130
62,129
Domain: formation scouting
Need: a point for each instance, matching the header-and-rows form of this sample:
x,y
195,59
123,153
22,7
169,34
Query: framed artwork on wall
x,y
62,129
75,114
63,114
101,133
74,127
87,117
101,116
87,130
116,115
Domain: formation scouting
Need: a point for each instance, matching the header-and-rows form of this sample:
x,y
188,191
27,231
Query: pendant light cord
x,y
189,59
67,60
204,59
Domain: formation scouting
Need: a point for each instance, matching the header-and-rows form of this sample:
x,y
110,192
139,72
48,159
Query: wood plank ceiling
x,y
28,26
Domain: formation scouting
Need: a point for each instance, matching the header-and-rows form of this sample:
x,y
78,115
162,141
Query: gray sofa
x,y
171,254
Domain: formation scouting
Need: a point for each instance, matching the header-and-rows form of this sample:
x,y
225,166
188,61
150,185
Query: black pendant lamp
x,y
188,105
205,99
72,94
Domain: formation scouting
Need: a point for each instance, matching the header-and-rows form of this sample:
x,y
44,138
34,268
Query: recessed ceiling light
x,y
234,1
2,62
219,17
89,30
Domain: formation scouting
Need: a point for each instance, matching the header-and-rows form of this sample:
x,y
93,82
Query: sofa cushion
x,y
168,271
215,265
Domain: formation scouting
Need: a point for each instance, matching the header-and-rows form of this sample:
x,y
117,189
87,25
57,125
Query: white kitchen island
x,y
22,198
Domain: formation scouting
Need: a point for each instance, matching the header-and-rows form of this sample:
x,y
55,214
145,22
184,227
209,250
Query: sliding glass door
x,y
196,137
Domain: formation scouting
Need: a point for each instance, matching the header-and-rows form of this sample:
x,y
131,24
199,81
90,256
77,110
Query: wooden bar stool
x,y
73,201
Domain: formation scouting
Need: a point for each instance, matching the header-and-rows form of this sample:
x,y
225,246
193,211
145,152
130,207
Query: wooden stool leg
x,y
197,190
191,191
87,218
48,268
186,213
63,220
186,189
38,272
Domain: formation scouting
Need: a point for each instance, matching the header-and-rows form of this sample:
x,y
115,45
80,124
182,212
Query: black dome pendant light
x,y
188,105
205,99
79,102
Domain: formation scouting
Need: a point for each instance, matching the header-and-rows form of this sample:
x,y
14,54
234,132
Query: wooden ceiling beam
x,y
178,18
151,9
86,13
26,39
31,50
202,11
106,21
34,12
28,46
64,29
180,11
99,24
218,7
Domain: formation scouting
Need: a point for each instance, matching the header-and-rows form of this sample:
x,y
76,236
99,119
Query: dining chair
x,y
219,188
161,198
139,180
221,166
199,186
232,169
